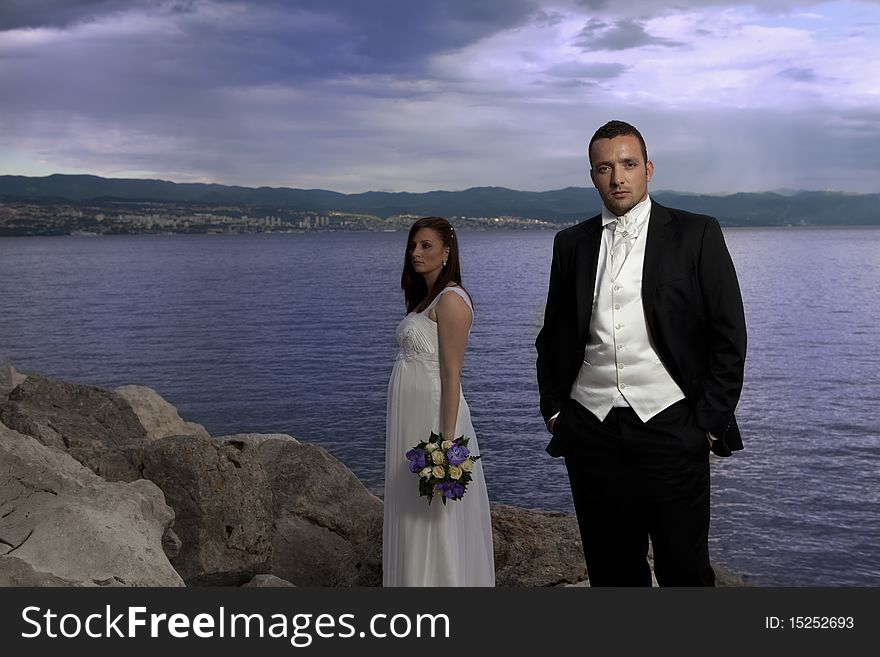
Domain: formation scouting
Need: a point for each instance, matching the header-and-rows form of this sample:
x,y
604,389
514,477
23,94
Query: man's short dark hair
x,y
614,129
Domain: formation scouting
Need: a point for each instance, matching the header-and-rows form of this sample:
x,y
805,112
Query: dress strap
x,y
460,292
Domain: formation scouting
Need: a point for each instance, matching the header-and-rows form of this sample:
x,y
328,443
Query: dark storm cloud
x,y
297,37
15,14
173,58
265,41
398,35
317,38
620,35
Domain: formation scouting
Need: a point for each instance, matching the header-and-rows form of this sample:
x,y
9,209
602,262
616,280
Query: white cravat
x,y
624,238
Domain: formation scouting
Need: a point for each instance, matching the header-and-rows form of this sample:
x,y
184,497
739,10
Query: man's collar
x,y
642,208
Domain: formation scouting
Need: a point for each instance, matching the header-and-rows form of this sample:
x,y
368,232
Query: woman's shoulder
x,y
459,295
459,291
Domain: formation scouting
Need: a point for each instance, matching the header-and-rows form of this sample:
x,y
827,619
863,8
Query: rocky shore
x,y
113,488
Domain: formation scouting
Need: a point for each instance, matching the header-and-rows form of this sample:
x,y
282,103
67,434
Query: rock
x,y
63,415
171,543
223,507
62,525
725,577
523,554
321,510
121,463
362,565
158,417
9,378
255,440
220,495
566,550
267,581
222,501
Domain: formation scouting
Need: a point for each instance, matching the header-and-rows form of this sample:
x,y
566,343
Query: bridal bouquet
x,y
444,467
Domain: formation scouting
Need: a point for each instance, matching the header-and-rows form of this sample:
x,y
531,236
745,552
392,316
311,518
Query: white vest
x,y
619,358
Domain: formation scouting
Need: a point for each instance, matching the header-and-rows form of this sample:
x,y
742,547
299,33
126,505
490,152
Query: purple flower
x,y
451,490
416,458
457,454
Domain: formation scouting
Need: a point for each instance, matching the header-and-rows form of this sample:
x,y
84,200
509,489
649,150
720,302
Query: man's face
x,y
620,173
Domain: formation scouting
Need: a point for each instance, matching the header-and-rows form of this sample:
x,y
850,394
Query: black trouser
x,y
632,480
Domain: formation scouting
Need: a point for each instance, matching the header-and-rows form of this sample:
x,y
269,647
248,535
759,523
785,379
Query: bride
x,y
437,544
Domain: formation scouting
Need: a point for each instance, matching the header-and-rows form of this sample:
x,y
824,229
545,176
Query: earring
x,y
444,263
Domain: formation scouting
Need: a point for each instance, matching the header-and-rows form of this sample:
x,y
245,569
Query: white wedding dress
x,y
432,545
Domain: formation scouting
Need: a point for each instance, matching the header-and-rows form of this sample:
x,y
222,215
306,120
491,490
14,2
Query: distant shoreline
x,y
504,229
44,218
60,204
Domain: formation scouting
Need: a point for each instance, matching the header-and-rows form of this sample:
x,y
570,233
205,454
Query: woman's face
x,y
426,251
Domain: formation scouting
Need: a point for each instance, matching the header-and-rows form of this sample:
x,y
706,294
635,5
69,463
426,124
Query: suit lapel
x,y
659,231
586,263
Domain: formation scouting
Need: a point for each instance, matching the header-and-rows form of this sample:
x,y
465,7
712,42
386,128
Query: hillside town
x,y
156,217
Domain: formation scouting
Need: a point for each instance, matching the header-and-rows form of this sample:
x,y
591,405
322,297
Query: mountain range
x,y
561,206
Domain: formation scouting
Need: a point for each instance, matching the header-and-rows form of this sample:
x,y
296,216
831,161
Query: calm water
x,y
294,334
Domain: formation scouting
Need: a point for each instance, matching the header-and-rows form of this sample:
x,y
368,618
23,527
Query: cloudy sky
x,y
418,95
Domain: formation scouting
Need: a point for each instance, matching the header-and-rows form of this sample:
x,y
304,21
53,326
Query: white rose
x,y
454,472
430,447
446,444
438,472
438,457
467,465
424,473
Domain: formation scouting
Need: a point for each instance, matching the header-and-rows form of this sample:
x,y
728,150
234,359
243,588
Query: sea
x,y
294,333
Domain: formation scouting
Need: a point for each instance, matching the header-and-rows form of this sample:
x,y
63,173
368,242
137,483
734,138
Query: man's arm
x,y
722,300
552,338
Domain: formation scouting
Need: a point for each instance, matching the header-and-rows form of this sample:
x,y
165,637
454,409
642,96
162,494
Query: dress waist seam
x,y
421,358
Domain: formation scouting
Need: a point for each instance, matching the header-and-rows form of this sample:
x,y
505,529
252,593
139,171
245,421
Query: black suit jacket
x,y
693,307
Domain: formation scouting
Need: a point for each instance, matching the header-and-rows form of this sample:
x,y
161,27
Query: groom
x,y
640,367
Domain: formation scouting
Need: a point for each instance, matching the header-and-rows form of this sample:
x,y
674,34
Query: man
x,y
640,367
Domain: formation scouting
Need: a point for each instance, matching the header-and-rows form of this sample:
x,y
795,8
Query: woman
x,y
436,544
